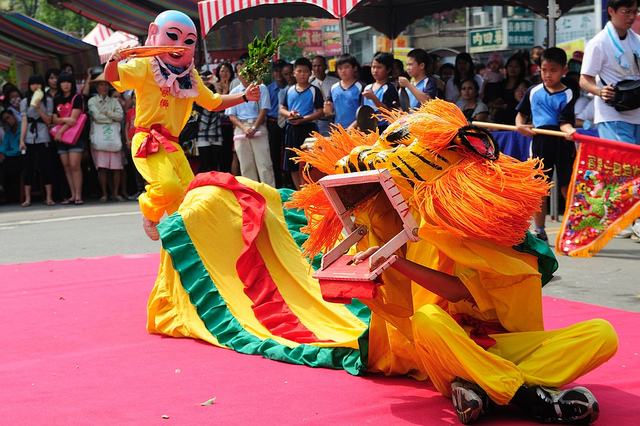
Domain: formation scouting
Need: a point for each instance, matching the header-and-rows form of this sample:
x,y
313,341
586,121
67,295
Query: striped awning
x,y
390,17
37,44
116,40
216,13
98,34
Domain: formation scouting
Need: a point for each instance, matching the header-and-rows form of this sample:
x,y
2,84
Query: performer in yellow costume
x,y
166,86
462,306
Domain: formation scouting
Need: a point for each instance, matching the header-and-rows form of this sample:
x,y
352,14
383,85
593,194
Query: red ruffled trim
x,y
268,306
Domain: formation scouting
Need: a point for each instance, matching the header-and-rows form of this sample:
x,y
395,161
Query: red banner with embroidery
x,y
603,196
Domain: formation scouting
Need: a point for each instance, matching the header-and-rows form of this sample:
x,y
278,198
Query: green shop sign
x,y
520,32
487,40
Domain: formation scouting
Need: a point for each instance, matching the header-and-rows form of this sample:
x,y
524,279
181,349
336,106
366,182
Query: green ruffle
x,y
547,262
295,220
221,323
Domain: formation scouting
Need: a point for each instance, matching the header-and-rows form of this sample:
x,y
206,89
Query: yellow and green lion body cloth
x,y
235,270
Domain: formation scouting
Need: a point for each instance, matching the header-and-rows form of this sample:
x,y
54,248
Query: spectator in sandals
x,y
106,142
34,138
70,155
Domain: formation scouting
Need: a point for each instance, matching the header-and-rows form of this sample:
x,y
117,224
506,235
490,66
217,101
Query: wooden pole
x,y
553,207
513,128
576,136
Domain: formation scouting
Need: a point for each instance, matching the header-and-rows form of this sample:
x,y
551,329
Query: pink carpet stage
x,y
74,350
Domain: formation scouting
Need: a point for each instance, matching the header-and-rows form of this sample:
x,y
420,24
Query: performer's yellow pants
x,y
168,175
549,358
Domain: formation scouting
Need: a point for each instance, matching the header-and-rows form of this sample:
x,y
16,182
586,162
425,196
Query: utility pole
x,y
554,14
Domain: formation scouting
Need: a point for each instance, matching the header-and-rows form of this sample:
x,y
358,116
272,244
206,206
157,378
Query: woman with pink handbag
x,y
68,116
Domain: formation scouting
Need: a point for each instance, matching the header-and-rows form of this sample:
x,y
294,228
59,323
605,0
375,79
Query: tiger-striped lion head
x,y
452,173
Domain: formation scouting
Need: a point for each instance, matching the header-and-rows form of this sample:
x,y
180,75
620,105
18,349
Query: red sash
x,y
157,135
480,329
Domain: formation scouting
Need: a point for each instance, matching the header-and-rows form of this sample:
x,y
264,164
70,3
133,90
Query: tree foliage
x,y
291,48
60,18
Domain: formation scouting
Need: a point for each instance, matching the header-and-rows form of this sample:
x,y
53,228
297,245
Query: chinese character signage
x,y
486,40
383,44
522,11
333,28
310,38
520,33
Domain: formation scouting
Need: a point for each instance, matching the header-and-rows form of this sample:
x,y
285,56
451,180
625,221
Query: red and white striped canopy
x,y
215,12
390,17
98,34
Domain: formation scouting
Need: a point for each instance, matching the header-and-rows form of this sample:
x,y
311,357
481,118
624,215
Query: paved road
x,y
37,233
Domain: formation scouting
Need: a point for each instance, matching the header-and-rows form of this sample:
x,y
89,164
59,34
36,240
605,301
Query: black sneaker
x,y
469,400
575,406
541,236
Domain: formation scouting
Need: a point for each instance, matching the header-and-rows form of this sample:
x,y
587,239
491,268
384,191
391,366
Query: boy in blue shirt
x,y
423,88
346,95
301,106
381,94
551,106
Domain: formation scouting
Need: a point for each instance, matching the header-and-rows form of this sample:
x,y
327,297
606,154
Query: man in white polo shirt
x,y
324,82
250,134
613,55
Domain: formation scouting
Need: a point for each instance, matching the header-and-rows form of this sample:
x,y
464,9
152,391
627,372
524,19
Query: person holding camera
x,y
618,38
617,112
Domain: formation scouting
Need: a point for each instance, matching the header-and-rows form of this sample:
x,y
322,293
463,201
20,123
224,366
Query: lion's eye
x,y
398,134
480,142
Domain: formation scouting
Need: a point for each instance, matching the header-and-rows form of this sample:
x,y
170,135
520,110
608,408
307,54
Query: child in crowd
x,y
551,106
381,94
493,74
397,71
423,88
346,95
301,106
534,66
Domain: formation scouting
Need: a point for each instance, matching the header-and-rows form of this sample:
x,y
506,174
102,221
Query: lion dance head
x,y
452,173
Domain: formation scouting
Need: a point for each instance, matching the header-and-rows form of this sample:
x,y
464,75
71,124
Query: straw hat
x,y
99,78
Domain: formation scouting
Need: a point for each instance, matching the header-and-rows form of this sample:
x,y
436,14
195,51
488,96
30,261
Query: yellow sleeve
x,y
131,74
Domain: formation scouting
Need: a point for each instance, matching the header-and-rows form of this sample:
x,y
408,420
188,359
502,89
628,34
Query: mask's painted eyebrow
x,y
176,29
192,34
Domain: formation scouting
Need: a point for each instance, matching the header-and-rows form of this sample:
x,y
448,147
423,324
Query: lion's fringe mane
x,y
475,198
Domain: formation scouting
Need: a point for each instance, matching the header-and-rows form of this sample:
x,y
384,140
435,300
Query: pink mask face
x,y
174,33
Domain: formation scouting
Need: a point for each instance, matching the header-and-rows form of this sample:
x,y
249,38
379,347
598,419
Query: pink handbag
x,y
72,134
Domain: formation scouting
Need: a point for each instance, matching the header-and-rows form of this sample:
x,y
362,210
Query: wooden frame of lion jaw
x,y
340,278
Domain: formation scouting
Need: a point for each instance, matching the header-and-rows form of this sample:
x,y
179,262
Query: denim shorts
x,y
64,148
620,131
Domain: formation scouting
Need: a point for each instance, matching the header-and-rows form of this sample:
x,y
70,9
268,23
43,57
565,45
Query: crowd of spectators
x,y
35,160
236,140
